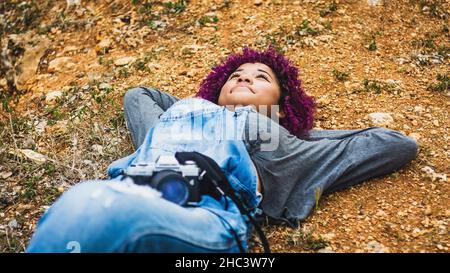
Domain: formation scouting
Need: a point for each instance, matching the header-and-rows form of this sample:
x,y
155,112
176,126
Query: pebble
x,y
28,143
418,109
33,156
124,61
13,224
97,148
5,175
381,213
68,49
104,86
52,97
258,2
430,173
40,126
417,232
326,250
329,236
377,247
380,119
352,86
60,64
73,2
103,47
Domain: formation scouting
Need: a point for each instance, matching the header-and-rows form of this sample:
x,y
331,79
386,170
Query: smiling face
x,y
251,84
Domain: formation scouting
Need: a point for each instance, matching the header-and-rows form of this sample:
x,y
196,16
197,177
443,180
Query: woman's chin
x,y
238,98
242,102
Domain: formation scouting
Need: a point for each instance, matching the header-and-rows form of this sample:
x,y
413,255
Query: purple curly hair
x,y
298,107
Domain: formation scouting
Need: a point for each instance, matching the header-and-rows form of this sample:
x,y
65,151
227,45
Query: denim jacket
x,y
199,125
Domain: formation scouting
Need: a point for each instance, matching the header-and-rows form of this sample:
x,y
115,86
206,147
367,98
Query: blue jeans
x,y
113,216
120,216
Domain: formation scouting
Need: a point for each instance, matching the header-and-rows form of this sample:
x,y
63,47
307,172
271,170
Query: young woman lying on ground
x,y
276,163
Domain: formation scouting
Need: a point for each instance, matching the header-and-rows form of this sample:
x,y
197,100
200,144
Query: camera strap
x,y
220,186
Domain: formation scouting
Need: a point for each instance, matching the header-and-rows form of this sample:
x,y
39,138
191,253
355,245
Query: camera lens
x,y
174,190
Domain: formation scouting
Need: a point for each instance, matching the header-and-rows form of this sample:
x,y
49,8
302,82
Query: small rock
x,y
5,175
352,86
329,236
97,148
381,213
436,123
73,3
85,87
68,49
13,224
258,2
40,127
103,47
124,61
375,2
326,250
417,232
426,222
193,48
380,119
418,109
60,64
60,189
104,86
32,155
403,61
28,143
376,247
415,136
430,173
428,210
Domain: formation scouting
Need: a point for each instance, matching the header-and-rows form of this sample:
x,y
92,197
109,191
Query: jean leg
x,y
116,216
142,108
374,152
315,135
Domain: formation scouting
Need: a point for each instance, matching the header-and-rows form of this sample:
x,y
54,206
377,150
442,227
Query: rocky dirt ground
x,y
67,64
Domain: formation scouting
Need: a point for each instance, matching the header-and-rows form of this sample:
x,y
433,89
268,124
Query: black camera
x,y
178,183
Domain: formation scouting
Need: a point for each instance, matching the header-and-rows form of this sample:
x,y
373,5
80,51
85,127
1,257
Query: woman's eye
x,y
264,77
234,75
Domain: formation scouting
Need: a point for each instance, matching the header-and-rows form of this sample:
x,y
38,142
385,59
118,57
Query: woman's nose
x,y
246,78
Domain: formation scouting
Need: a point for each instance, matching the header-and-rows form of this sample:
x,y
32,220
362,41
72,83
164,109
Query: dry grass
x,y
347,53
